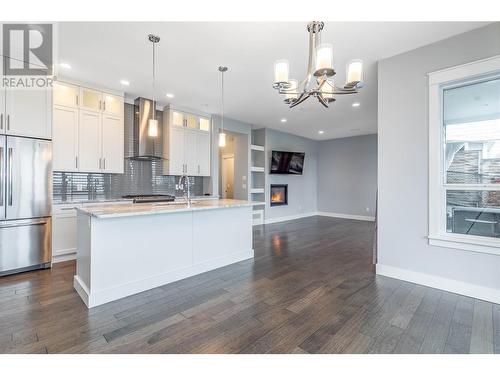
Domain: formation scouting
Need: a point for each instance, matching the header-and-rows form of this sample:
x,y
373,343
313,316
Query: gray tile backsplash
x,y
139,177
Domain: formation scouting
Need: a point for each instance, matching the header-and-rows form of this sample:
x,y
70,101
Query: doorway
x,y
227,176
233,166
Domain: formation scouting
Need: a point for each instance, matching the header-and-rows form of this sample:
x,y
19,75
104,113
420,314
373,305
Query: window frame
x,y
438,81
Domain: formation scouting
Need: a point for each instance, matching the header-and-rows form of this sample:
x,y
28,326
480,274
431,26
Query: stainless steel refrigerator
x,y
25,204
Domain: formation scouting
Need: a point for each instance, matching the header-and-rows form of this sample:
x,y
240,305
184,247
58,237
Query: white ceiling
x,y
189,53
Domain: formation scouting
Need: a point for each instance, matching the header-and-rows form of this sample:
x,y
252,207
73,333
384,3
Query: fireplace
x,y
279,195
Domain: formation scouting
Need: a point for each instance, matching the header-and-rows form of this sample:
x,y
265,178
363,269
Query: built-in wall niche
x,y
279,195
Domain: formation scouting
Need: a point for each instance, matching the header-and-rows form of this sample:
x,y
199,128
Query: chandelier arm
x,y
322,101
304,96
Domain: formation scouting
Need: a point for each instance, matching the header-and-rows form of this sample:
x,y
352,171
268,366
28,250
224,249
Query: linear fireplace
x,y
279,195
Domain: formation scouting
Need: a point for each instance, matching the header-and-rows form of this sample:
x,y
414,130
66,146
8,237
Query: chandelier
x,y
319,81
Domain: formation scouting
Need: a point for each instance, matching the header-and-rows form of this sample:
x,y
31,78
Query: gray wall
x,y
302,190
347,175
403,161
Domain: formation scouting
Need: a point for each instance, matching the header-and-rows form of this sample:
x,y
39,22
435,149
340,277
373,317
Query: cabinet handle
x,y
100,163
100,105
1,121
10,169
104,105
76,96
8,122
76,162
104,163
198,169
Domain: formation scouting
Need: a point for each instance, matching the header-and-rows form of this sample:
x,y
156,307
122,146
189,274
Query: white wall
x,y
403,249
347,175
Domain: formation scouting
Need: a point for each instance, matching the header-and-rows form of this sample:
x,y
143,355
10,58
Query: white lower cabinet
x,y
64,232
64,229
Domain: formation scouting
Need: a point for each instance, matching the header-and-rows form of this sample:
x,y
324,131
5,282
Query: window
x,y
464,157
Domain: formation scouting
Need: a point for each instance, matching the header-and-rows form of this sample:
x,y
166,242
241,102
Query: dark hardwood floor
x,y
310,289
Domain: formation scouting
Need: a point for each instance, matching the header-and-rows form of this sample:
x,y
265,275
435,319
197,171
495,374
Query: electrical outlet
x,y
244,177
244,186
367,209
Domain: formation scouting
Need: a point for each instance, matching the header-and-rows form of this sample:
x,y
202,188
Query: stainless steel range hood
x,y
146,147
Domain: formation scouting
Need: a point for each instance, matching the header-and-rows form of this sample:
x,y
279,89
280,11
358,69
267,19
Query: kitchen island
x,y
129,248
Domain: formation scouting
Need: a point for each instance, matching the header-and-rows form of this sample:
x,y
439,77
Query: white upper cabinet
x,y
186,144
88,130
90,100
112,144
65,94
175,164
177,118
203,153
190,153
27,112
65,138
89,142
112,104
3,116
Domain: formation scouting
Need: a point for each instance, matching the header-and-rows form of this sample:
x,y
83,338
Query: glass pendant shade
x,y
354,72
294,84
153,128
324,57
327,89
222,139
281,69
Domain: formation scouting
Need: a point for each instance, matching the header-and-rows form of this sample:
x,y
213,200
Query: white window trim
x,y
437,196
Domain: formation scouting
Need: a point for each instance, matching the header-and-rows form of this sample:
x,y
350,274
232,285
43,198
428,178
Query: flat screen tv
x,y
284,162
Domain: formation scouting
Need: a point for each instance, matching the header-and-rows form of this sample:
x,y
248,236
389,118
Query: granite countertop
x,y
136,209
110,200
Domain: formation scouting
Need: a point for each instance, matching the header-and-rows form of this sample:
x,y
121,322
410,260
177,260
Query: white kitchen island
x,y
129,248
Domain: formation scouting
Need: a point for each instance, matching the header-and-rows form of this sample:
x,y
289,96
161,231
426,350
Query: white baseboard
x,y
449,285
321,213
289,217
346,216
63,257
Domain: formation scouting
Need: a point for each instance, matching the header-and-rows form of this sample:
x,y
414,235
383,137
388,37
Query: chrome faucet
x,y
184,184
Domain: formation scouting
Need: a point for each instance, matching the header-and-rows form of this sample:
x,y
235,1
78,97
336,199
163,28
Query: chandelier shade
x,y
321,67
354,72
281,69
324,60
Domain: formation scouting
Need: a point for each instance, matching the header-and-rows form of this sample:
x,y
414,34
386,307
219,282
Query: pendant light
x,y
222,135
153,122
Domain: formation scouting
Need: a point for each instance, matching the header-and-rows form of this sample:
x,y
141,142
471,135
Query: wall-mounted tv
x,y
284,162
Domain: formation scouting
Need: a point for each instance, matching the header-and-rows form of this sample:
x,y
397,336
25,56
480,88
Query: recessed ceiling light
x,y
321,132
356,104
65,65
283,120
124,82
169,95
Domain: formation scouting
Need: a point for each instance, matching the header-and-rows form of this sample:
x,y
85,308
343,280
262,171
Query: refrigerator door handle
x,y
24,223
1,176
10,175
